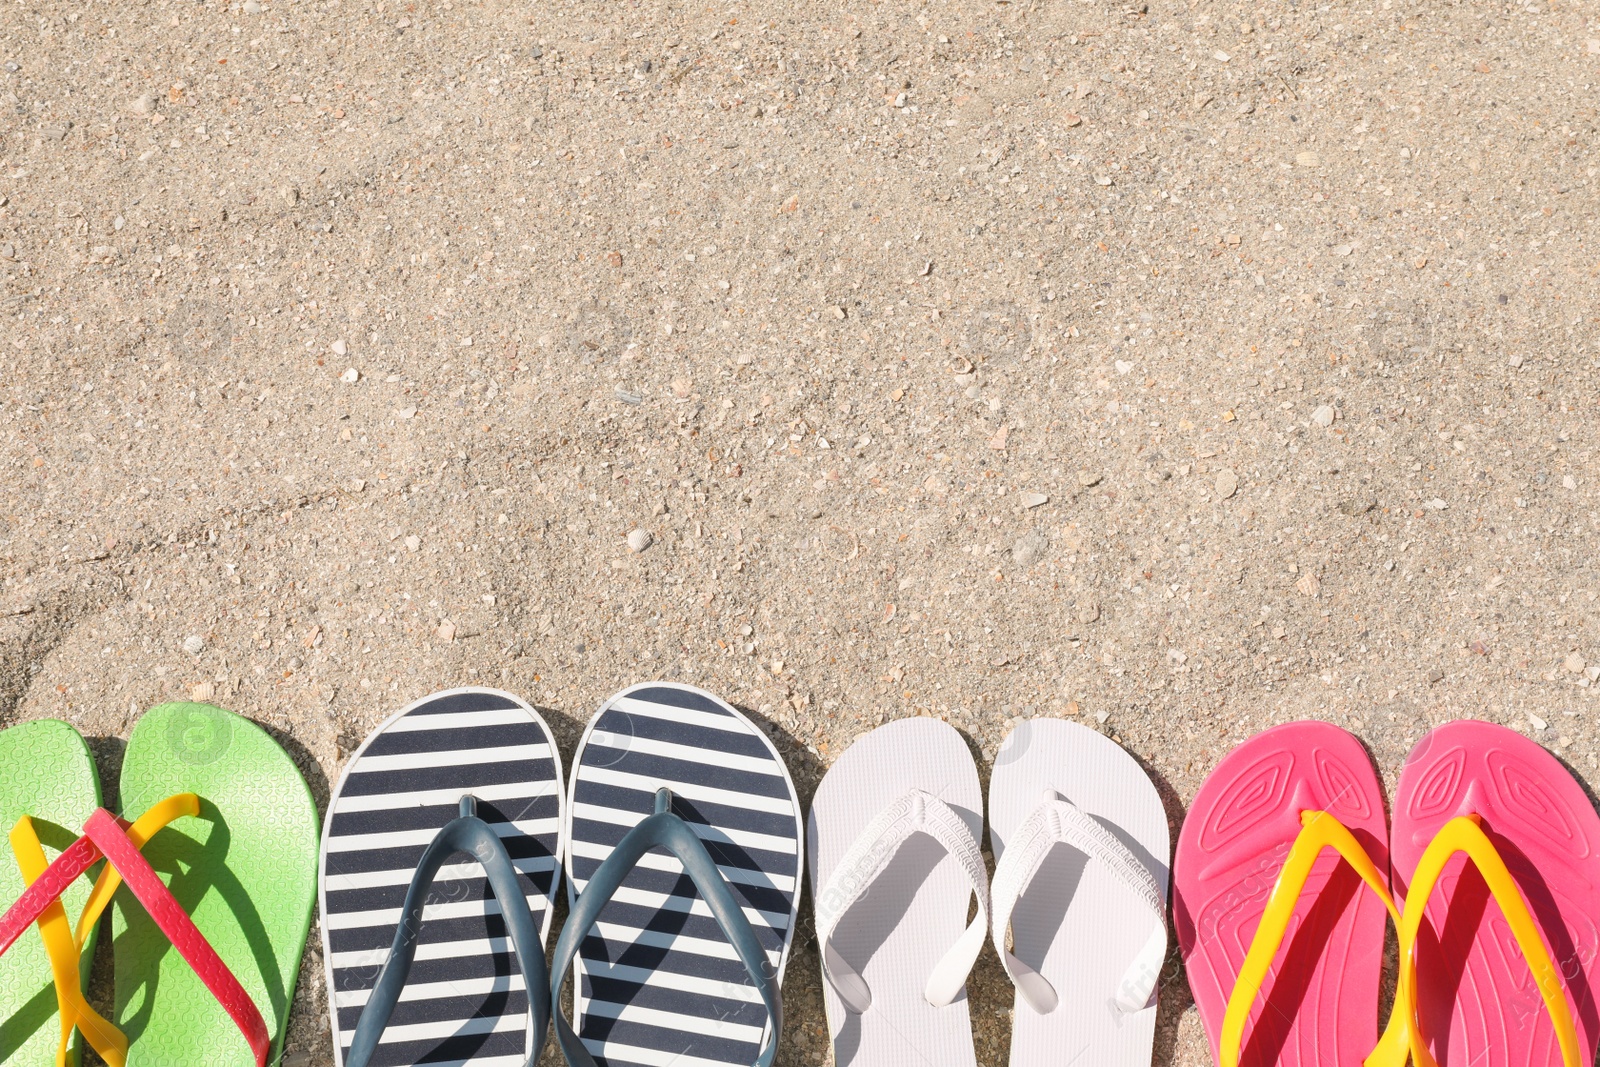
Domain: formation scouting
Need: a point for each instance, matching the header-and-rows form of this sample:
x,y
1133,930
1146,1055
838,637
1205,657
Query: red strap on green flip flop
x,y
73,861
105,835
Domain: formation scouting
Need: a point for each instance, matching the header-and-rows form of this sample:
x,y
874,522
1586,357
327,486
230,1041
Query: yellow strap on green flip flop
x,y
63,949
1465,834
1319,830
64,946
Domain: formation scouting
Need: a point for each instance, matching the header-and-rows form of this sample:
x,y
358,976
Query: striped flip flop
x,y
684,846
471,771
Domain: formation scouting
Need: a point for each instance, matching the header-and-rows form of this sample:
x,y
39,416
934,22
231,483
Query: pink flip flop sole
x,y
1319,1005
1477,1000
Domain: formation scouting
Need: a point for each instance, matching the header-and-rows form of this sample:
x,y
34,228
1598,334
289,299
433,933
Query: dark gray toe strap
x,y
668,831
477,838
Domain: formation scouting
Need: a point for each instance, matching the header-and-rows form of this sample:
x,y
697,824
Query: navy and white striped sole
x,y
464,1001
656,981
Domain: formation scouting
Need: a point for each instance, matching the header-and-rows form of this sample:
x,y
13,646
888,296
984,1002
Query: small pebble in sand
x,y
350,377
1227,483
1324,415
339,347
1029,549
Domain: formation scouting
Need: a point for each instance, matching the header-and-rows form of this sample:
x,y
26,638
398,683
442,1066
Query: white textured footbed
x,y
917,907
1075,925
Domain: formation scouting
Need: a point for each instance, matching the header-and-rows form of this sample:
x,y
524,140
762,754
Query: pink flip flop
x,y
1479,1002
1269,902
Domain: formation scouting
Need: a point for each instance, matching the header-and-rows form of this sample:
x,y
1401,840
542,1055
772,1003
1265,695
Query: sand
x,y
1183,370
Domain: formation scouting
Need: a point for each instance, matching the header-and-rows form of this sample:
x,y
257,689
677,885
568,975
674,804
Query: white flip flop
x,y
1081,869
895,862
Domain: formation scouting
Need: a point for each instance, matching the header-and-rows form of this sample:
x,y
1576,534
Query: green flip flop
x,y
49,775
245,871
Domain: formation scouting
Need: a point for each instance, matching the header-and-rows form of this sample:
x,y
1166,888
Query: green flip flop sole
x,y
49,774
245,871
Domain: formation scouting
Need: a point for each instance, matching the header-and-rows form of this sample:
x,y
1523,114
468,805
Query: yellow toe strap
x,y
64,946
1319,830
1465,834
63,950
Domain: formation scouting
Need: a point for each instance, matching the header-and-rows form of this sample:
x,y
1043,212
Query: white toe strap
x,y
1057,820
915,812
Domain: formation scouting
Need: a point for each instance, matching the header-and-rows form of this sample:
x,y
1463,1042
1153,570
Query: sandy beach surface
x,y
1179,369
